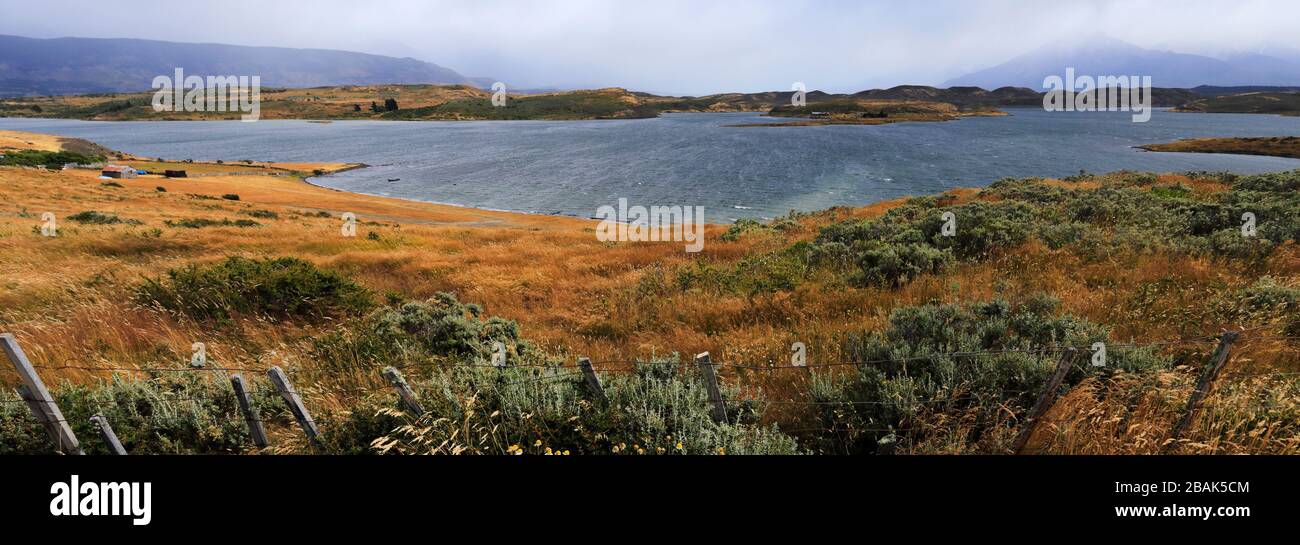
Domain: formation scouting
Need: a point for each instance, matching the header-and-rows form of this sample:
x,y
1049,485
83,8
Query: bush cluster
x,y
278,288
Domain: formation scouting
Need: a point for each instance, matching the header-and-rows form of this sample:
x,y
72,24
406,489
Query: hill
x,y
1247,103
33,67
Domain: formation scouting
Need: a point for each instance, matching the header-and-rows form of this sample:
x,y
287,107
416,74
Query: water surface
x,y
574,167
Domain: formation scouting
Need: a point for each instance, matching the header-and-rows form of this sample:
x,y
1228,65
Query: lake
x,y
574,167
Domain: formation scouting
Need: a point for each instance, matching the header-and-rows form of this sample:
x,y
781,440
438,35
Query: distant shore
x,y
1275,146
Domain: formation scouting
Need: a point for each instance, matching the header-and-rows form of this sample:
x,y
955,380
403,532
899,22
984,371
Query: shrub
x,y
230,197
276,287
160,189
438,329
47,159
656,408
980,359
199,223
170,415
1129,212
91,217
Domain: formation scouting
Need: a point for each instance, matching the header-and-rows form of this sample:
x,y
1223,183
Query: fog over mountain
x,y
1101,55
89,65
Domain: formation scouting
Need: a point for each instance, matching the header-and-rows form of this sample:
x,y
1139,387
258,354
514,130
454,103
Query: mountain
x,y
30,66
1100,55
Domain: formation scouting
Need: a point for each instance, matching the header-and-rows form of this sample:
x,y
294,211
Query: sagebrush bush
x,y
280,288
190,414
981,358
439,329
1128,213
656,408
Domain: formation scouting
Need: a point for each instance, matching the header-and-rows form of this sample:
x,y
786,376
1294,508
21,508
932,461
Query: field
x,y
141,269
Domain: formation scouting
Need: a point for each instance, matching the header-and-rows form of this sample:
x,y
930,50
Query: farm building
x,y
117,171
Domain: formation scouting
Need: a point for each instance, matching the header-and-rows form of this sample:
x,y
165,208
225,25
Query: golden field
x,y
68,298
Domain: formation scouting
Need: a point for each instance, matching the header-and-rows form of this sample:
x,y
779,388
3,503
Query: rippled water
x,y
691,159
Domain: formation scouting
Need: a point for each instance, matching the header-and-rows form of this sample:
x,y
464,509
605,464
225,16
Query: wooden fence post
x,y
1218,361
1045,400
255,429
404,390
43,405
294,401
106,433
711,383
593,381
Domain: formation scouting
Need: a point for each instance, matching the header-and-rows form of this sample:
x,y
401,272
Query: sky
x,y
681,46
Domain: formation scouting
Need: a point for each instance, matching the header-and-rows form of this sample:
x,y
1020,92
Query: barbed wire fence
x,y
33,393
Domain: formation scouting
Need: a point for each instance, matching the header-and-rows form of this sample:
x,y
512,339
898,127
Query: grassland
x,y
1275,146
1126,258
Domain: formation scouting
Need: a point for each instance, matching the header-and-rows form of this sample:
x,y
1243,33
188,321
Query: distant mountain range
x,y
57,66
1100,55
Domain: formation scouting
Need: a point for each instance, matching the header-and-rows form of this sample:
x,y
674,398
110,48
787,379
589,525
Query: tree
x,y
356,107
390,104
374,107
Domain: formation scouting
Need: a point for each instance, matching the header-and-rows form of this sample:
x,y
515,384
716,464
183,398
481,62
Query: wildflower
x,y
548,451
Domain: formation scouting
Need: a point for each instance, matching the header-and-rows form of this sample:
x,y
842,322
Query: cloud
x,y
681,46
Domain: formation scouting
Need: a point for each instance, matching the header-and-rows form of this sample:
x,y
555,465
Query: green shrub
x,y
439,329
1120,216
656,408
199,223
280,288
982,359
170,415
91,217
47,159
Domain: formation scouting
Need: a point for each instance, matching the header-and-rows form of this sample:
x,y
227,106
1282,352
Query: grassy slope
x,y
68,298
1247,103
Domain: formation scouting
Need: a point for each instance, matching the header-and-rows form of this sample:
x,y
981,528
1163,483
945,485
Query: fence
x,y
43,407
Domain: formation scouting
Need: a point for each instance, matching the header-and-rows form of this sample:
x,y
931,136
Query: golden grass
x,y
15,140
68,298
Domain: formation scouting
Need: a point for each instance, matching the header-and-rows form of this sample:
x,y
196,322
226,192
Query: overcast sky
x,y
680,46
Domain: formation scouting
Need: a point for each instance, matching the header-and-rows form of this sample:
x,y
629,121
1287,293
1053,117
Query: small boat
x,y
394,179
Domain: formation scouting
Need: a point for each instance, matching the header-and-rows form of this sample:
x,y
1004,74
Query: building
x,y
117,171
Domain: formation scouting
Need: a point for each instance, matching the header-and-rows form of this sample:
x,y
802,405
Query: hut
x,y
117,171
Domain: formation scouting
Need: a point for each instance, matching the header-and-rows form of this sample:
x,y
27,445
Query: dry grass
x,y
68,298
